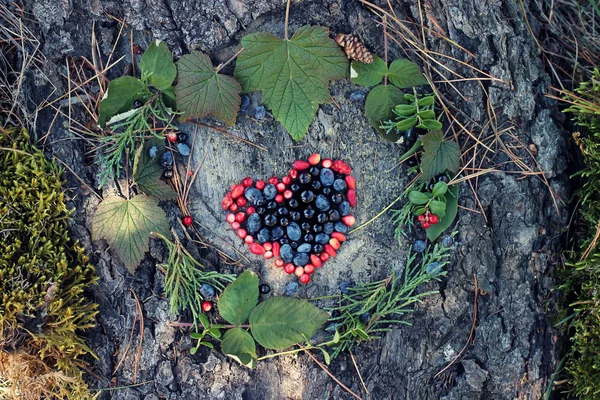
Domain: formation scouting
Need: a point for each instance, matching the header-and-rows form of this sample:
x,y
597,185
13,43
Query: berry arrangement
x,y
300,220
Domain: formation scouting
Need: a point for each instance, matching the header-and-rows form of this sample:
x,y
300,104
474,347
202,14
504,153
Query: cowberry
x,y
247,181
305,278
425,224
433,219
172,137
260,185
241,201
206,306
187,221
289,268
421,218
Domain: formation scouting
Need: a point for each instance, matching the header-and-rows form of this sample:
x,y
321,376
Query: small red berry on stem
x,y
187,221
425,224
172,137
433,219
421,218
206,306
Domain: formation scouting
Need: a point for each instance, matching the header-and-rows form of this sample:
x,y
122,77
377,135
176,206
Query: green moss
x,y
582,278
43,274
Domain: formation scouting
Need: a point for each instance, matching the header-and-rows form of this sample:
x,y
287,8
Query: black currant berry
x,y
314,171
295,215
322,218
182,137
309,213
305,227
336,198
270,220
168,173
271,205
284,221
304,178
261,210
265,289
317,228
295,187
307,196
293,203
316,185
137,104
334,215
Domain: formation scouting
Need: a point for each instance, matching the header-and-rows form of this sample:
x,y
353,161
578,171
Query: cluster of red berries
x,y
300,220
428,219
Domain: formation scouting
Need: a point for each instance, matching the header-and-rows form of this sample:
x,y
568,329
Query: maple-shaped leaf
x,y
148,170
201,91
126,226
293,74
439,155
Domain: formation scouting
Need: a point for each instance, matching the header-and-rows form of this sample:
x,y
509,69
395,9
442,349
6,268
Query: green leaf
x,y
406,124
438,208
432,125
147,171
426,101
127,224
239,298
417,197
120,96
416,147
439,155
201,91
379,107
293,74
214,333
281,322
405,110
439,189
239,345
404,74
420,211
204,321
168,97
196,335
207,344
193,350
326,356
157,65
451,210
368,74
427,114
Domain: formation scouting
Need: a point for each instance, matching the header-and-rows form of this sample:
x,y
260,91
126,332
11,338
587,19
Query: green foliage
x,y
201,91
183,276
120,97
43,274
157,66
277,323
127,224
368,74
379,107
439,155
293,74
405,74
147,171
373,307
420,113
580,279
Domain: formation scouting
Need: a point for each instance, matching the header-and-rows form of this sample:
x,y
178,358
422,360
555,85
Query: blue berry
x,y
253,195
304,248
327,177
322,203
357,97
339,185
419,246
365,317
291,288
253,223
322,238
344,208
344,287
183,149
286,252
263,235
260,112
153,151
448,241
277,233
341,227
293,231
434,268
270,191
207,291
328,228
245,104
301,259
166,160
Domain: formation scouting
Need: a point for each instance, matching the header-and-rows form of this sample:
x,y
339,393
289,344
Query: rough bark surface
x,y
514,349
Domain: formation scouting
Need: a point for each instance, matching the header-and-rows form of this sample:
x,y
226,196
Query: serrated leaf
x,y
201,91
120,96
404,74
439,155
157,65
379,107
368,74
239,298
147,171
451,210
239,345
127,224
281,322
293,74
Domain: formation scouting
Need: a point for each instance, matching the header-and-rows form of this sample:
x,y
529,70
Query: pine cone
x,y
354,49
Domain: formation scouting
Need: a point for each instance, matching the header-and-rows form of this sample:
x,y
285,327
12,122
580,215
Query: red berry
x,y
268,246
425,224
434,219
280,187
421,218
235,225
240,217
273,180
351,182
299,271
341,167
314,159
247,181
242,233
309,269
279,263
305,278
316,261
241,201
172,137
333,242
190,173
187,221
250,210
349,220
293,173
352,197
289,268
227,201
286,181
329,250
301,165
339,236
260,185
237,191
256,248
268,254
206,306
230,218
276,249
279,198
327,163
324,257
288,194
233,208
249,239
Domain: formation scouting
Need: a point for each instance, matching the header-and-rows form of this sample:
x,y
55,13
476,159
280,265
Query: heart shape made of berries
x,y
300,220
